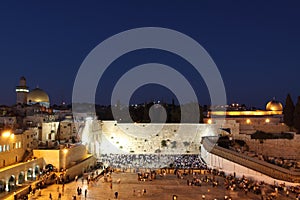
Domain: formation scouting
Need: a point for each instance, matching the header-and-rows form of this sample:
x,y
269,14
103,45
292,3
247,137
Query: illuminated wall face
x,y
244,113
139,139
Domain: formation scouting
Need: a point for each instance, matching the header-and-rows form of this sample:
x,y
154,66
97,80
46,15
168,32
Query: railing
x,y
252,163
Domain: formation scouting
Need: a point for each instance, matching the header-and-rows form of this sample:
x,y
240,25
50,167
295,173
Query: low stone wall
x,y
252,163
79,168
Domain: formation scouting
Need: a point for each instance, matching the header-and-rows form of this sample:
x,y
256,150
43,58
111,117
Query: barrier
x,y
263,167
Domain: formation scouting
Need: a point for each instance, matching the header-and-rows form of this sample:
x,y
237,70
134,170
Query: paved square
x,y
162,188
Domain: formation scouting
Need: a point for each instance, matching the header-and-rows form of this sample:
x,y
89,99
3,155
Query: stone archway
x,y
2,185
37,171
21,178
30,174
11,183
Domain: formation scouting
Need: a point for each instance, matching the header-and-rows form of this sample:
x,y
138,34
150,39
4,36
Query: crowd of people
x,y
188,162
244,184
152,161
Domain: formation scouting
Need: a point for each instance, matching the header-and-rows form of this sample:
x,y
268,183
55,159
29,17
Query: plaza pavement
x,y
162,188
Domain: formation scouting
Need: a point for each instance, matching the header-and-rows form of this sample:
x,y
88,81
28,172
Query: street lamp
x,y
65,151
6,134
174,197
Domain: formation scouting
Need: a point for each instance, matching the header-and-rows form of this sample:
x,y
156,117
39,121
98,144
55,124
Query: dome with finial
x,y
38,95
274,105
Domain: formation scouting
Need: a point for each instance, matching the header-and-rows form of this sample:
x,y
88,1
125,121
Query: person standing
x,y
116,195
85,193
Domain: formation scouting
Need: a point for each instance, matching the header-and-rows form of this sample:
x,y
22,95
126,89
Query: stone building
x,y
249,121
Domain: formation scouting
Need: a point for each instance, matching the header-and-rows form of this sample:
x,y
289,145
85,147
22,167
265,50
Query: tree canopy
x,y
288,111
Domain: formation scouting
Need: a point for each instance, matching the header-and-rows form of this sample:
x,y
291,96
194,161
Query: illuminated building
x,y
22,91
35,96
240,120
38,96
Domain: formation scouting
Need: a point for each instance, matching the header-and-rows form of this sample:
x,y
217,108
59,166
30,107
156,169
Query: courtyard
x,y
129,188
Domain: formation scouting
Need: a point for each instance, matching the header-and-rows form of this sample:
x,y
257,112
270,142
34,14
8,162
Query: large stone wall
x,y
143,138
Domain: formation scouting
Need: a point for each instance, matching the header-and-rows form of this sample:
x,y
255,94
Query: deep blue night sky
x,y
255,44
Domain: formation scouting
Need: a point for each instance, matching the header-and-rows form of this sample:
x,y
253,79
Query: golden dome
x,y
274,106
37,95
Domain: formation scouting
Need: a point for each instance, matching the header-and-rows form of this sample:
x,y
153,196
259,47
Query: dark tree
x,y
201,114
297,115
288,111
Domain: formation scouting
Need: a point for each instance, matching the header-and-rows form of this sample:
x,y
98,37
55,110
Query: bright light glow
x,y
267,120
65,151
248,121
244,113
6,134
12,136
209,121
22,90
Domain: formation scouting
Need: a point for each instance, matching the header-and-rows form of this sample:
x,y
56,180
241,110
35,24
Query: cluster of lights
x,y
7,134
248,121
244,113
